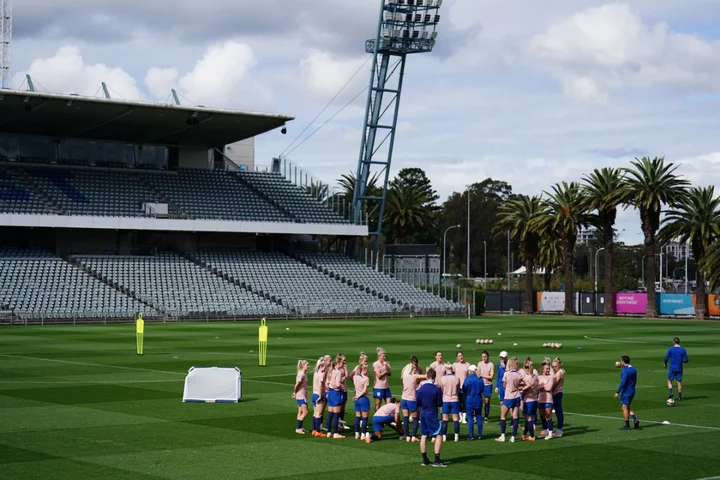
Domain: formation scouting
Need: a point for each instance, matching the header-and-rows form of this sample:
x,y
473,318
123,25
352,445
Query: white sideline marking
x,y
612,341
704,427
708,478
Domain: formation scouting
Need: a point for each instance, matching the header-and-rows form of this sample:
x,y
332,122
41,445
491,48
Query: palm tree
x,y
604,191
406,209
518,215
695,219
650,184
568,212
710,268
550,254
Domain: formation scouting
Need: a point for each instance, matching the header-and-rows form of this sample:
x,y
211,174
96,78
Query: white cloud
x,y
67,72
325,75
221,78
609,47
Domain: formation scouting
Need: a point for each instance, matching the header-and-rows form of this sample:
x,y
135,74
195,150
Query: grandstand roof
x,y
73,116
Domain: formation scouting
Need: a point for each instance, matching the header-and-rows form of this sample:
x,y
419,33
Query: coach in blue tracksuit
x,y
626,392
473,390
677,356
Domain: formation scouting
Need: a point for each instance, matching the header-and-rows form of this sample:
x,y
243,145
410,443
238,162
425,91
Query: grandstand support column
x,y
402,29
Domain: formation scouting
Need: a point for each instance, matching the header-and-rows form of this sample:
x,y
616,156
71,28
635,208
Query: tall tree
x,y
567,213
652,184
550,254
416,178
406,211
519,216
604,191
346,182
695,218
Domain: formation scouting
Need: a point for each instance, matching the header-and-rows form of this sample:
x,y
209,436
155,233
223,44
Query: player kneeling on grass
x,y
626,392
430,398
388,414
361,400
473,390
300,394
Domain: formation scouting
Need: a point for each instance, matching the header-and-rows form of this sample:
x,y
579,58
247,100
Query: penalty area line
x,y
611,340
607,417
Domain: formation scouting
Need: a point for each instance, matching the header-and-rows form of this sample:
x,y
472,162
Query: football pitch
x,y
77,403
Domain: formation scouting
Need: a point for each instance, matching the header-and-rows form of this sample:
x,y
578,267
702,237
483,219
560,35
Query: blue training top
x,y
628,380
500,375
473,388
429,399
677,356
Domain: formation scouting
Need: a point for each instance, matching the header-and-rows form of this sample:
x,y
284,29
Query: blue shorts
x,y
675,375
380,422
408,405
316,398
302,402
429,426
450,408
334,398
546,406
362,404
501,393
343,397
627,398
381,393
512,403
531,408
487,391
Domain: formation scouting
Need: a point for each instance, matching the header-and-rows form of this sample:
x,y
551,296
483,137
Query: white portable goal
x,y
213,385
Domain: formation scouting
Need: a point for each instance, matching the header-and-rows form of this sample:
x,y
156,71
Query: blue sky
x,y
528,92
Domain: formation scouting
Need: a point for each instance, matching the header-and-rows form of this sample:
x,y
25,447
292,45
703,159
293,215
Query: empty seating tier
x,y
179,287
356,273
38,285
304,290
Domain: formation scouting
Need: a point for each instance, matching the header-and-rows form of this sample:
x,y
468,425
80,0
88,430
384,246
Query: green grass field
x,y
77,403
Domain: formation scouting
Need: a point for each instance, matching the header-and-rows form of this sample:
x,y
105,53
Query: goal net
x,y
213,385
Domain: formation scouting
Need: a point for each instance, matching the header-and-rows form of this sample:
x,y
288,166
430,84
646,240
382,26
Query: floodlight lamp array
x,y
409,26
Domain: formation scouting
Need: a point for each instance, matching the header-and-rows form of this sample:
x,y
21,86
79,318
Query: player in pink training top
x,y
361,400
450,386
319,396
486,371
530,397
461,370
439,366
300,394
408,401
336,378
546,381
558,395
382,371
344,394
512,382
386,415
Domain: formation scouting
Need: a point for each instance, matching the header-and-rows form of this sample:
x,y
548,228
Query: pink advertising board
x,y
631,303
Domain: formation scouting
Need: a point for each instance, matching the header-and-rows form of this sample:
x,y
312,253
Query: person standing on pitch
x,y
677,356
626,392
473,389
139,333
429,399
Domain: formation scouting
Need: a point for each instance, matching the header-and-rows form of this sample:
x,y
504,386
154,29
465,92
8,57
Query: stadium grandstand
x,y
109,208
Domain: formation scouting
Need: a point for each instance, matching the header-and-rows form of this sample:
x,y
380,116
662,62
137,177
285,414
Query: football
x,y
558,345
670,402
617,364
491,341
458,346
478,341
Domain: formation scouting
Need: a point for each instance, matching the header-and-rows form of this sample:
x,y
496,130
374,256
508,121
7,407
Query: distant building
x,y
676,249
587,235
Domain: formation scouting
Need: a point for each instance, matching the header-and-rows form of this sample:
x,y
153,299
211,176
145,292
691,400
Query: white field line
x,y
703,427
611,340
708,478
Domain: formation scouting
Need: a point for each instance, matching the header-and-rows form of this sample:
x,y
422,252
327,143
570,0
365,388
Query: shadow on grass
x,y
685,399
572,431
463,459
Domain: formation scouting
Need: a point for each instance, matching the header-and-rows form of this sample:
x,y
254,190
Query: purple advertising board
x,y
635,303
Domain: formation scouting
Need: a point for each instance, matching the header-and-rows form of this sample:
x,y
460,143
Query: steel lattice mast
x,y
404,27
5,40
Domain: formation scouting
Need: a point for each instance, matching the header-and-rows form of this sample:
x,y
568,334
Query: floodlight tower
x,y
404,27
5,38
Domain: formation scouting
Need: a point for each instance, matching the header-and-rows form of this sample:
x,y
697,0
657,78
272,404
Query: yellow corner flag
x,y
262,339
139,332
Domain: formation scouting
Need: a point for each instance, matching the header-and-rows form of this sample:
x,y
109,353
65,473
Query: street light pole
x,y
444,239
485,262
596,267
